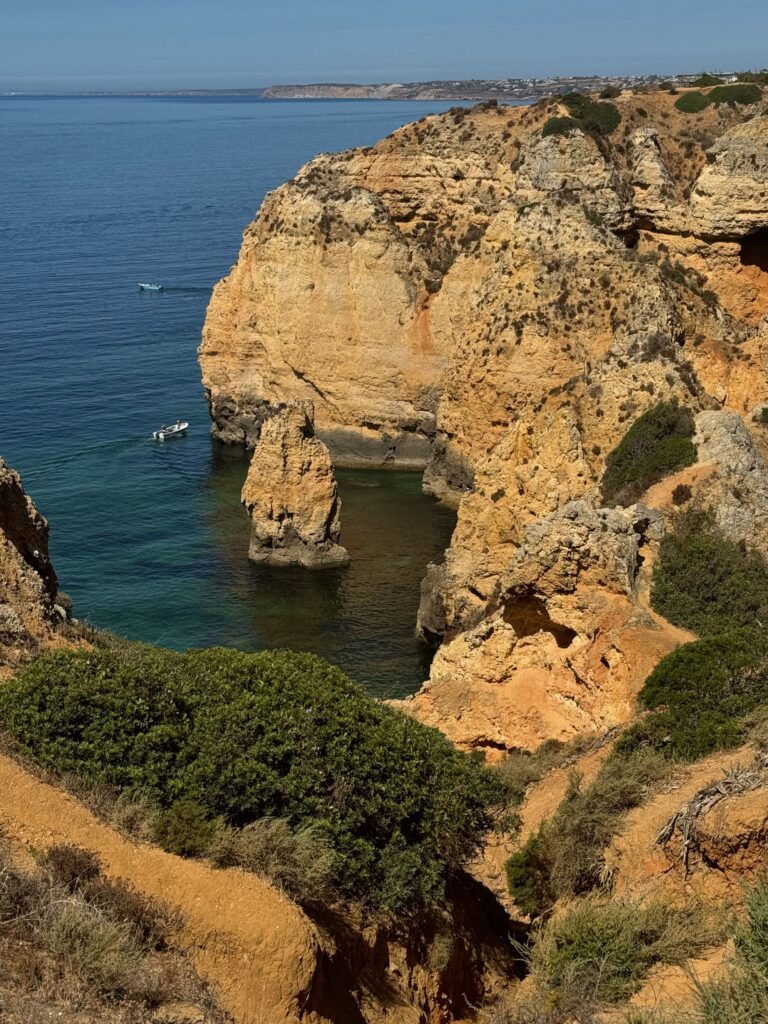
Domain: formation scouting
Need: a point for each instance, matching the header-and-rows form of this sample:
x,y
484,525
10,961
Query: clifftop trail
x,y
255,946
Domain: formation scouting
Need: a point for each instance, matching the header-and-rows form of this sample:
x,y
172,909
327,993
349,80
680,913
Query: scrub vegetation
x,y
658,443
370,803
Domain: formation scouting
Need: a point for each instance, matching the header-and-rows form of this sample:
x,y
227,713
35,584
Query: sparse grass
x,y
103,954
300,861
73,940
604,951
741,995
564,858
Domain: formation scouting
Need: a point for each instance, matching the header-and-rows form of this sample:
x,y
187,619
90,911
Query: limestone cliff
x,y
30,607
498,305
291,494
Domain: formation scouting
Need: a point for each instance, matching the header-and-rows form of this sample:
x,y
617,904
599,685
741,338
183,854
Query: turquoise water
x,y
149,540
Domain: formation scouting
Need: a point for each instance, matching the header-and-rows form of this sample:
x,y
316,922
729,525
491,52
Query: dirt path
x,y
256,947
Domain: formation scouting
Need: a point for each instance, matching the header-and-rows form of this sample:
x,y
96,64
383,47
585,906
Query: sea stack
x,y
291,494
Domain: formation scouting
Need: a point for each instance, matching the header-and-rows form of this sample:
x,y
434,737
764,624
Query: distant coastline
x,y
502,89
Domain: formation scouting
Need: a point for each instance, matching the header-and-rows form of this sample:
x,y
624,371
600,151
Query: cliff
x,y
497,305
31,609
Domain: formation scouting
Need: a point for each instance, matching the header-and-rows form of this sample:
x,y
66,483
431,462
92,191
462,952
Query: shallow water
x,y
150,540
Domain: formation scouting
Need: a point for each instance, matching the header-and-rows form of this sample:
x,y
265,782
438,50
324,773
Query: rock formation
x,y
563,642
498,306
291,494
30,606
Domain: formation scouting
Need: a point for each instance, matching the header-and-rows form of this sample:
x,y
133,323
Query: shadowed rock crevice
x,y
528,615
754,250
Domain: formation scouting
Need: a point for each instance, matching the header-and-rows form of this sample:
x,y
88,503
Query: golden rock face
x,y
496,307
291,494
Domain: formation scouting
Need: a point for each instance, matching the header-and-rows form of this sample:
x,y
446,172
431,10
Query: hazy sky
x,y
65,44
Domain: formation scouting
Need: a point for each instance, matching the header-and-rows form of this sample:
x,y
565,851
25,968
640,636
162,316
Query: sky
x,y
61,45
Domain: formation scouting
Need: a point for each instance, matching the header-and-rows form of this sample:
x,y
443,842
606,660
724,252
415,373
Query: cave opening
x,y
754,250
528,615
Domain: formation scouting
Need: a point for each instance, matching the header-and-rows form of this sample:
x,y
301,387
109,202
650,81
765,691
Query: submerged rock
x,y
291,494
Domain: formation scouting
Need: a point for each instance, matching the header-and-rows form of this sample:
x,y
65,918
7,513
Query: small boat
x,y
174,430
147,286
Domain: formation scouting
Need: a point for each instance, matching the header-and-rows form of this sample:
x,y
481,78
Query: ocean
x,y
149,540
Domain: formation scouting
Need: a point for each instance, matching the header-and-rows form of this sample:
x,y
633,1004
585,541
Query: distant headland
x,y
504,89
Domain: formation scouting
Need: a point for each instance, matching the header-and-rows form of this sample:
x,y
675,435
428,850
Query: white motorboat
x,y
148,286
174,430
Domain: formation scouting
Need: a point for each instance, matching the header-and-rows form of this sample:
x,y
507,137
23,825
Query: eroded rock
x,y
29,608
291,494
563,642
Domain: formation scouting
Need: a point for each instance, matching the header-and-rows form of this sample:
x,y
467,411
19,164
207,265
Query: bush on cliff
x,y
692,102
559,126
743,94
702,697
658,443
593,117
564,858
705,582
241,737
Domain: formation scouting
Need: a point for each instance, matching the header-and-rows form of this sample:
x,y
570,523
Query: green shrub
x,y
605,951
610,92
249,736
706,583
658,443
741,997
185,828
704,80
529,876
594,117
692,102
559,126
702,696
681,494
743,94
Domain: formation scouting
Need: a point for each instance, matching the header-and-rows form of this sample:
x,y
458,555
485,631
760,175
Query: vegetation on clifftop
x,y
706,696
706,583
219,738
592,116
658,443
743,93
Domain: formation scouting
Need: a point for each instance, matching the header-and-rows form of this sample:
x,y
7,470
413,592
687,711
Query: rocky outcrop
x,y
30,607
537,294
574,164
730,197
291,494
562,644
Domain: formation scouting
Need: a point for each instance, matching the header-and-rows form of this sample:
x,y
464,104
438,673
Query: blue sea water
x,y
150,540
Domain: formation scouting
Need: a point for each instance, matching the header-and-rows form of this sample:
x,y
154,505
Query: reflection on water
x,y
361,616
